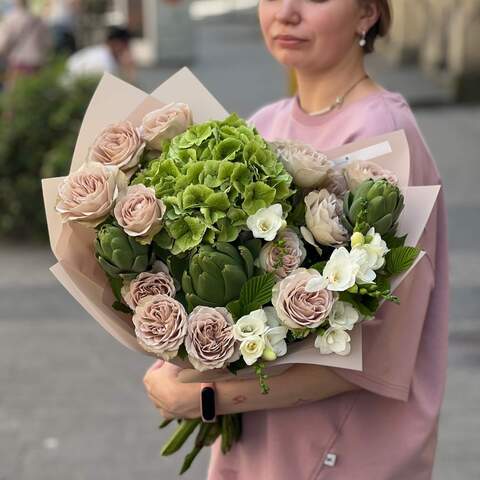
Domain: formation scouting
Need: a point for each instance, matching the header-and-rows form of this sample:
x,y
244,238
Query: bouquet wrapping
x,y
189,237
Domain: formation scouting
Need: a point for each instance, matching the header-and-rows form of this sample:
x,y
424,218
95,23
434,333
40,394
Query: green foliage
x,y
211,178
364,304
400,259
256,292
39,123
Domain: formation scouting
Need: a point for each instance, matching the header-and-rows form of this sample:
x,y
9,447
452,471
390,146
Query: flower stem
x,y
262,377
179,437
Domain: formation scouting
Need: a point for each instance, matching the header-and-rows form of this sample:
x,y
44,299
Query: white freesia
x,y
266,222
370,256
343,316
253,324
252,349
365,273
341,270
316,282
333,340
376,249
275,335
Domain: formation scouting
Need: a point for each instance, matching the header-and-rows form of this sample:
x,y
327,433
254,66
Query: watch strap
x,y
207,402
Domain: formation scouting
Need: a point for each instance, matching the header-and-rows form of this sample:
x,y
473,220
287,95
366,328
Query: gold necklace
x,y
339,100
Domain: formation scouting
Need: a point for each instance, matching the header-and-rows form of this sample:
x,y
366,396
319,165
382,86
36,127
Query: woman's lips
x,y
289,41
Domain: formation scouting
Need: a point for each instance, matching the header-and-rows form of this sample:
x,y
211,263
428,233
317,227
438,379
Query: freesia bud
x,y
357,239
269,355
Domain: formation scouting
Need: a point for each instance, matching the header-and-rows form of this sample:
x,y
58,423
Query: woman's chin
x,y
291,61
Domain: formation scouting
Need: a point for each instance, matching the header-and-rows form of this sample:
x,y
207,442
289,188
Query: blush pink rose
x,y
88,194
358,171
120,145
139,212
308,167
165,123
210,341
297,308
284,255
147,284
336,183
160,325
323,217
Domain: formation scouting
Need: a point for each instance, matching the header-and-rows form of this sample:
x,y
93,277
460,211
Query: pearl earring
x,y
363,40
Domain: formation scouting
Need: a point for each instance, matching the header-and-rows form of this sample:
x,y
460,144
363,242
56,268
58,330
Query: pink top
x,y
387,430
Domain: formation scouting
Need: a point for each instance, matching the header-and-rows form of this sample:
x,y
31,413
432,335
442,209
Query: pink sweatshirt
x,y
387,430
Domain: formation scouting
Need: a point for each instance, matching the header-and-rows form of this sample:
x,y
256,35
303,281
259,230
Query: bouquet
x,y
225,253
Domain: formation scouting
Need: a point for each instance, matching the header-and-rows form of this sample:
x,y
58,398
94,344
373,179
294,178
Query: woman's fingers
x,y
163,412
158,364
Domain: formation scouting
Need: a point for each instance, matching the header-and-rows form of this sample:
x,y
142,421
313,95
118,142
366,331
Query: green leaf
x,y
235,309
365,305
177,264
234,367
121,307
400,259
297,215
393,241
163,240
319,266
255,246
256,292
180,436
300,333
165,423
116,284
182,352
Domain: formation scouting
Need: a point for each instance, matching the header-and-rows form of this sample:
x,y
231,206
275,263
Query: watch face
x,y
208,404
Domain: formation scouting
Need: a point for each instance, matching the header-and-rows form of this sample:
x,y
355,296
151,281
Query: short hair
x,y
381,28
118,33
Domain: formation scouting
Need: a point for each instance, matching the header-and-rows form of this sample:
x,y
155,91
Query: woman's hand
x,y
172,398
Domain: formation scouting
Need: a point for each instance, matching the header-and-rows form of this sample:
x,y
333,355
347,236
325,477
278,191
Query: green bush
x,y
39,123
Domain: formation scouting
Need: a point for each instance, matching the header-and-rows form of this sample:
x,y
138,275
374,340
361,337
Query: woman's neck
x,y
318,90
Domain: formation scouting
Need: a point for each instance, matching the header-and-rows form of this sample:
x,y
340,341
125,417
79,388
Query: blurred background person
x,y
113,56
24,42
60,16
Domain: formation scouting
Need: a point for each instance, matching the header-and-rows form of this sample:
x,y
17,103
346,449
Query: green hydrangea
x,y
211,178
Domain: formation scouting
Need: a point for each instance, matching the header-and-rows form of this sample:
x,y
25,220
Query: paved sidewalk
x,y
72,405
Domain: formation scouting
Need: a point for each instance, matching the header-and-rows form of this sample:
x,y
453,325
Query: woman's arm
x,y
300,384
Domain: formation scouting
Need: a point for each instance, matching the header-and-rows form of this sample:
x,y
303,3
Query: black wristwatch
x,y
207,402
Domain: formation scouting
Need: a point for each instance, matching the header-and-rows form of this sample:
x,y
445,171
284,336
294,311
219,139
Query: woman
x,y
330,423
24,43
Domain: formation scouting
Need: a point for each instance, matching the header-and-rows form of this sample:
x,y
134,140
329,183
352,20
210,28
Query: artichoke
x,y
120,255
216,274
375,203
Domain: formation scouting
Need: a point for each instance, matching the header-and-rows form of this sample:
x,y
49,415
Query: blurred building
x,y
443,37
164,29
